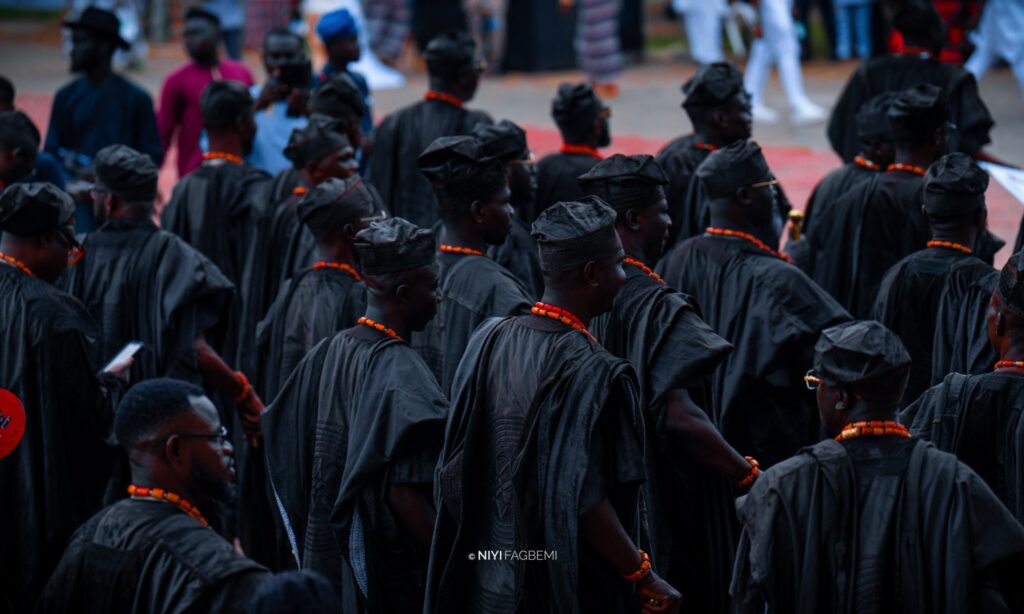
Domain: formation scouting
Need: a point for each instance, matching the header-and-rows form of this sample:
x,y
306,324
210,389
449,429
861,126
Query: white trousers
x,y
779,46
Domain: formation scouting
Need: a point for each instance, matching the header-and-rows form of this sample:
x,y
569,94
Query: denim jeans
x,y
860,16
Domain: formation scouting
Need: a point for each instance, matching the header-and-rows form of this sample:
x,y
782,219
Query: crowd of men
x,y
418,372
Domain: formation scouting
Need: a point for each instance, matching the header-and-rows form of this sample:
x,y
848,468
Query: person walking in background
x,y
702,21
1000,35
387,25
231,15
597,43
853,25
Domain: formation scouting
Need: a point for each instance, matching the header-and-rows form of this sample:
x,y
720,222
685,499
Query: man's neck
x,y
227,144
963,236
631,244
459,236
100,73
388,317
923,159
340,251
1012,349
146,481
765,235
132,213
207,62
578,306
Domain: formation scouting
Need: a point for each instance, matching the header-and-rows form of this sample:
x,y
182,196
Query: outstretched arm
x,y
699,439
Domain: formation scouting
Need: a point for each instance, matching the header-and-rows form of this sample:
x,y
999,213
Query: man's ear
x,y
350,231
476,211
174,452
590,274
743,196
402,293
632,219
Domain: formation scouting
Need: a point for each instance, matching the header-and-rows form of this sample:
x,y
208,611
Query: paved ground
x,y
646,115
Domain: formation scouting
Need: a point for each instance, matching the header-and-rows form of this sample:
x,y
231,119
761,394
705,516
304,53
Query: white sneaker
x,y
806,112
763,114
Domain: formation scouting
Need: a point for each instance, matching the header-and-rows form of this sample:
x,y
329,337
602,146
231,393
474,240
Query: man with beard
x,y
753,297
327,297
473,198
544,447
923,32
180,112
506,141
719,109
215,208
57,464
19,147
870,521
979,417
879,221
99,108
402,136
583,121
691,469
352,438
954,205
282,101
155,550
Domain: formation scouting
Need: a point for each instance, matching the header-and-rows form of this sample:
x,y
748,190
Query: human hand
x,y
657,596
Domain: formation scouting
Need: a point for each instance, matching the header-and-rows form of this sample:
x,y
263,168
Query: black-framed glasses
x,y
221,435
811,380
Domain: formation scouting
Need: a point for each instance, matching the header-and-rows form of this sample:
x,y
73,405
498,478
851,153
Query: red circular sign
x,y
12,422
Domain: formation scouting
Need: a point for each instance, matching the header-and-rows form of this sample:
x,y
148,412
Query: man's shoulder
x,y
237,71
131,88
51,310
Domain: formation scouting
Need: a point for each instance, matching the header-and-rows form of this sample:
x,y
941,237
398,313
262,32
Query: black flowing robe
x,y
896,73
961,333
520,256
283,184
474,288
691,524
544,425
359,414
680,159
772,314
906,303
875,524
979,419
215,209
149,556
696,213
56,476
399,140
556,180
313,306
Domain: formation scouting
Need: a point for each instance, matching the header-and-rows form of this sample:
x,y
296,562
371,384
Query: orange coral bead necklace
x,y
458,249
390,332
726,232
872,427
643,267
18,264
341,266
160,494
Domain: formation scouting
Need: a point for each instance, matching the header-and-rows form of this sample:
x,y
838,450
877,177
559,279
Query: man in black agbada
x,y
922,30
155,551
328,296
216,207
473,198
954,205
506,141
719,110
454,76
583,121
690,468
753,297
979,417
544,447
54,478
353,437
873,521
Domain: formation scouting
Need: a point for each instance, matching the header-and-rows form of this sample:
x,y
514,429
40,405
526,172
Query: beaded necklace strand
x,y
726,232
868,164
909,168
18,264
1007,364
443,97
583,150
545,310
960,247
705,146
341,266
872,427
160,494
390,332
643,267
220,155
458,249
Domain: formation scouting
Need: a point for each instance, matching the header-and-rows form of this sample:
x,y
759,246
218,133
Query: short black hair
x,y
150,404
198,12
223,104
6,91
282,31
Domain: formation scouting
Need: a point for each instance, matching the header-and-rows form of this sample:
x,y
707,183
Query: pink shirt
x,y
179,107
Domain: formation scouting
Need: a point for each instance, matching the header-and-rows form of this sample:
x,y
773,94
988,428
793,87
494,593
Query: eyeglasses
x,y
221,434
764,184
75,250
811,380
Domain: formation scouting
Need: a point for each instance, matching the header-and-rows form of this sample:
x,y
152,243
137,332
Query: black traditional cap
x,y
314,141
1011,284
626,182
460,172
30,209
336,202
919,17
571,234
223,103
954,186
450,52
394,245
873,118
731,168
576,103
18,131
713,85
99,21
504,140
863,355
338,97
198,12
126,173
917,112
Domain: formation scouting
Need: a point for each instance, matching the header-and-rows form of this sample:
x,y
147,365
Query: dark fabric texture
x,y
474,289
896,73
556,181
680,159
149,556
906,303
879,524
830,189
979,419
399,140
961,342
519,255
691,525
534,444
360,413
773,314
55,478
